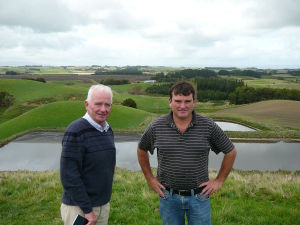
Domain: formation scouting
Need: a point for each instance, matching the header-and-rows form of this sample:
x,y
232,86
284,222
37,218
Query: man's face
x,y
182,106
99,107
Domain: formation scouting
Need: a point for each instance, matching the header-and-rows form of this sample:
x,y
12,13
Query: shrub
x,y
5,99
129,102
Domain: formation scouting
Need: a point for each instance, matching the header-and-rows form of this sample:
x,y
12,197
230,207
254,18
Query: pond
x,y
41,151
226,126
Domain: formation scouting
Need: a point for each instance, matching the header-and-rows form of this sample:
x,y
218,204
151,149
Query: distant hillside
x,y
61,114
27,90
278,112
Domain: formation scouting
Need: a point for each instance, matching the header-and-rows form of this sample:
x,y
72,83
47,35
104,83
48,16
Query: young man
x,y
88,161
183,140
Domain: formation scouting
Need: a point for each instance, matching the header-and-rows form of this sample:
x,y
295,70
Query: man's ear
x,y
170,101
86,104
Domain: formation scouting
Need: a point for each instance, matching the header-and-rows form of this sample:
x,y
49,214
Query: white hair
x,y
99,87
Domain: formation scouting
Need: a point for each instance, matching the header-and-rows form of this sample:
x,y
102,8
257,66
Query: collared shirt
x,y
183,157
96,125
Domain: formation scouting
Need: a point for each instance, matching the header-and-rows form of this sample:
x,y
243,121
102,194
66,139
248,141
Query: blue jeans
x,y
173,208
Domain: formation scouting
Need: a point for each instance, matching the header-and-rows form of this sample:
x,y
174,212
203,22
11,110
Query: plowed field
x,y
278,112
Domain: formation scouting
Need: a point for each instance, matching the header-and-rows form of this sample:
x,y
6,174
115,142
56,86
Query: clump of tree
x,y
129,102
112,81
129,71
39,79
183,74
294,72
11,72
245,95
161,89
191,73
246,73
170,77
6,99
213,88
224,72
135,89
280,78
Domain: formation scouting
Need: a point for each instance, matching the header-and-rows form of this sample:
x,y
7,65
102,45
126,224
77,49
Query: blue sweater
x,y
87,165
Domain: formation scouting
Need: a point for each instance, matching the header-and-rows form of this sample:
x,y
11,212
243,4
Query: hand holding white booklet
x,y
80,220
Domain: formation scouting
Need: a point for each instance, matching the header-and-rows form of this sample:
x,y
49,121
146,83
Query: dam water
x,y
41,151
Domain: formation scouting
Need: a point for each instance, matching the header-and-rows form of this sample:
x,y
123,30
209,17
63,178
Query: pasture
x,y
276,112
53,105
247,197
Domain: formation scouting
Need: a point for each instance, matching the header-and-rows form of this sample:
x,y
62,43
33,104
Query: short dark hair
x,y
182,88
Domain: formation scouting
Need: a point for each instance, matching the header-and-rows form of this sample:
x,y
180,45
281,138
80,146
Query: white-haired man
x,y
88,161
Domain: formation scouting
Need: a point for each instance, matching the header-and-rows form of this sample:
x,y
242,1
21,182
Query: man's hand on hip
x,y
156,186
211,186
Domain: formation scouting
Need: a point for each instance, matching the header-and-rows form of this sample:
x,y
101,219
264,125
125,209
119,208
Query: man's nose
x,y
182,105
102,108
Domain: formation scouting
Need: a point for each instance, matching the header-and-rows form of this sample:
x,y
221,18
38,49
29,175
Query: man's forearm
x,y
153,182
226,166
144,162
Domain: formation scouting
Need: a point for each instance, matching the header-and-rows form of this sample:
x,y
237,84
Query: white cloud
x,y
159,32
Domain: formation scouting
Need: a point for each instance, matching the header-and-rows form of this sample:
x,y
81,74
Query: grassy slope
x,y
277,112
61,114
26,90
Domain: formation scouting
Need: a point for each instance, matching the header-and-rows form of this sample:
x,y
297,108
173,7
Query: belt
x,y
186,192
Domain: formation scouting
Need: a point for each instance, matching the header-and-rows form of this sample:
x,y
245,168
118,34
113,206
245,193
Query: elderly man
x,y
183,140
88,161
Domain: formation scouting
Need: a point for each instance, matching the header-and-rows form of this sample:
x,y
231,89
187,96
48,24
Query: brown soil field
x,y
278,112
83,78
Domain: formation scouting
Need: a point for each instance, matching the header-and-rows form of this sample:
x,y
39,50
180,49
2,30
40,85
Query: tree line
x,y
39,79
11,72
294,72
112,81
247,73
183,74
245,95
213,88
161,89
129,71
208,88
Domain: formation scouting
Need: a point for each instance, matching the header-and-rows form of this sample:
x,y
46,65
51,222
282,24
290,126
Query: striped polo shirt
x,y
183,157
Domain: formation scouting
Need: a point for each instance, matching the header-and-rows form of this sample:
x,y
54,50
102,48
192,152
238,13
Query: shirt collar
x,y
96,125
169,118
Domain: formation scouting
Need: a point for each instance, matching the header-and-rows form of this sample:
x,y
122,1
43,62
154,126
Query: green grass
x,y
124,88
247,197
26,90
61,114
146,103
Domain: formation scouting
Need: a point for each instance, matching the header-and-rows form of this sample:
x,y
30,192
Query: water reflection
x,y
38,152
226,126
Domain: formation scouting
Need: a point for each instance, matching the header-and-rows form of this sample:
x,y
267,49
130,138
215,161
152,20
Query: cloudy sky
x,y
190,33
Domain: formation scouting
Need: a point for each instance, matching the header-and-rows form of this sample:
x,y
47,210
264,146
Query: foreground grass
x,y
246,198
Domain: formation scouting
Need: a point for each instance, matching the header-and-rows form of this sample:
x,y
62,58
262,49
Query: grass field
x,y
26,90
277,112
32,110
61,114
253,197
247,197
289,81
